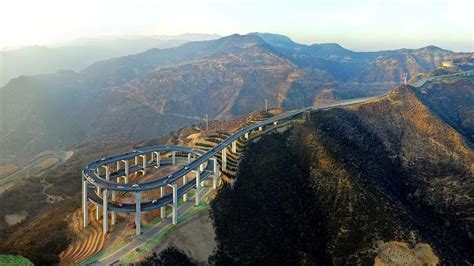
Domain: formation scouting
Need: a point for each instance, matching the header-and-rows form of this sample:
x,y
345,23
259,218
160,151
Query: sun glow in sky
x,y
358,25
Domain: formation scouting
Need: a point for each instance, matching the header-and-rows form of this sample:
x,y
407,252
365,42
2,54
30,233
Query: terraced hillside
x,y
89,241
233,158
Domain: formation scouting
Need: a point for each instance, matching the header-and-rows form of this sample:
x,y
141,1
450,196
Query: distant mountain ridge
x,y
151,93
78,54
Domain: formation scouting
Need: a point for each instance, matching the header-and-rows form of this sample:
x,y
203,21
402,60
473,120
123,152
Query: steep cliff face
x,y
378,172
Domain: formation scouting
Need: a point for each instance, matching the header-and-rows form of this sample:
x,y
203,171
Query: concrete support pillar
x,y
185,181
113,214
117,168
138,213
189,158
158,159
234,146
107,172
224,159
127,171
174,217
85,203
163,209
97,210
173,157
105,216
136,160
275,123
201,168
198,188
215,174
144,163
247,135
260,128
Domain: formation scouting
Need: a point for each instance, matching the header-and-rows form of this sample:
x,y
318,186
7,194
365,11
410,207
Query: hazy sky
x,y
359,25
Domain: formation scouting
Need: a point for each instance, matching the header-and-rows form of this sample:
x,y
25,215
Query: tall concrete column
x,y
127,171
234,146
198,188
136,160
247,135
215,174
173,157
163,209
97,210
224,159
107,172
144,163
174,217
113,214
85,203
189,158
138,213
201,168
117,168
260,128
158,159
105,216
275,123
185,195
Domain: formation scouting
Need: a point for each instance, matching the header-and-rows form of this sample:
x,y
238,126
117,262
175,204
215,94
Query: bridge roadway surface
x,y
90,170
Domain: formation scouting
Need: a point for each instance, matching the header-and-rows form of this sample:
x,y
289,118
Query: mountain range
x,y
80,53
160,90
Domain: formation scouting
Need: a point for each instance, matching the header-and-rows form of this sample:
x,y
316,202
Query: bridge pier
x,y
215,175
105,216
275,123
247,135
185,195
117,167
138,213
136,160
127,170
174,217
163,209
189,158
144,163
234,146
260,128
97,210
173,157
113,213
224,159
158,159
107,172
85,203
198,188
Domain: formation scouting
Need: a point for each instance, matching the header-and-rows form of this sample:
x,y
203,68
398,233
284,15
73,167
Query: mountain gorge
x,y
151,93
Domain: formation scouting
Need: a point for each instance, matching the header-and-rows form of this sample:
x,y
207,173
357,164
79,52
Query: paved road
x,y
61,155
422,82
